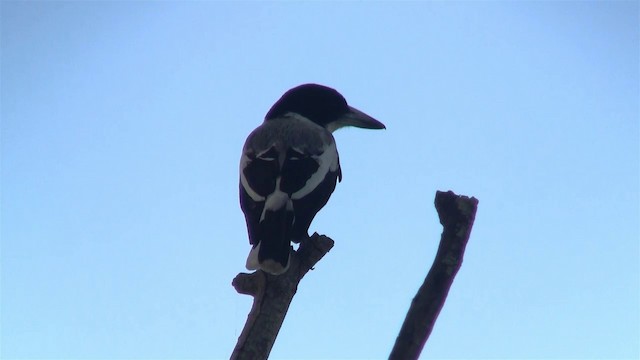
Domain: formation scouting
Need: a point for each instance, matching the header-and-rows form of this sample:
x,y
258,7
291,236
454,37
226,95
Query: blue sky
x,y
122,126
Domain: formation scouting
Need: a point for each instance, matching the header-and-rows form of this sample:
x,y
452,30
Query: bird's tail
x,y
276,223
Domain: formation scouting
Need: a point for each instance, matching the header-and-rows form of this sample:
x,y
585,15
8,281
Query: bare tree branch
x,y
456,214
272,296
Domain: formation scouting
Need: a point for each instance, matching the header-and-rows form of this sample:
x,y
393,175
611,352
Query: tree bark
x,y
457,214
272,296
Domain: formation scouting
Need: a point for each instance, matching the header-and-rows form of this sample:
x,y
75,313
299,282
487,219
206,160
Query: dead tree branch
x,y
272,296
456,214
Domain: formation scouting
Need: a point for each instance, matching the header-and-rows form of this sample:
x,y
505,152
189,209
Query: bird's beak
x,y
356,118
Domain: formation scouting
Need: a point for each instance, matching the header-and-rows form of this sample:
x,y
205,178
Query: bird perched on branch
x,y
289,168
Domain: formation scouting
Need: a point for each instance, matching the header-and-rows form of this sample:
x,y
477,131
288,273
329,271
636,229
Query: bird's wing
x,y
294,157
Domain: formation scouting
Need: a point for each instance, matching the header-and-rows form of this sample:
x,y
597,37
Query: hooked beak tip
x,y
362,120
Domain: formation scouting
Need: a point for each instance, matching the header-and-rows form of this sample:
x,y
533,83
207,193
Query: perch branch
x,y
456,214
271,298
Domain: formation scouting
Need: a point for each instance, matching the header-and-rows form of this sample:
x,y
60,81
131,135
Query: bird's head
x,y
322,105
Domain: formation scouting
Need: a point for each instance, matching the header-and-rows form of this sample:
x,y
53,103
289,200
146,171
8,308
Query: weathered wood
x,y
272,295
457,214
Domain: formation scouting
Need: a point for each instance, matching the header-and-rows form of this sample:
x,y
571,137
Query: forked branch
x,y
272,296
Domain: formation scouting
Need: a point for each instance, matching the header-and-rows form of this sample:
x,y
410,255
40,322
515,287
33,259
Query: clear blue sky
x,y
122,126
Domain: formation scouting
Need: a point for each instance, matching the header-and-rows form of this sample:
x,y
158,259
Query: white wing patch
x,y
327,161
244,161
266,156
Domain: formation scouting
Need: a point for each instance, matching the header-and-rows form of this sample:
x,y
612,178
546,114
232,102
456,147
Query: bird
x,y
289,168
